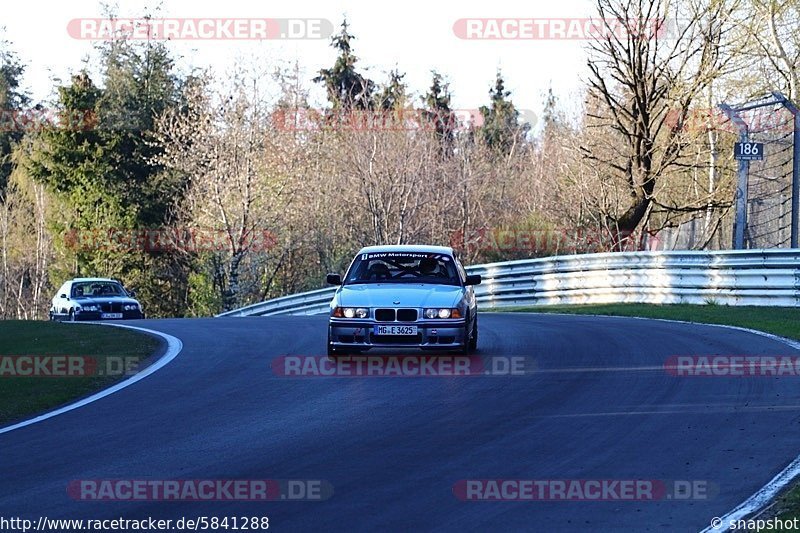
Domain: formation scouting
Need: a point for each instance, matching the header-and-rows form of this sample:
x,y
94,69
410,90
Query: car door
x,y
61,301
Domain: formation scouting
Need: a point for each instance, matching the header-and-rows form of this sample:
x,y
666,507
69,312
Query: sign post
x,y
740,223
740,220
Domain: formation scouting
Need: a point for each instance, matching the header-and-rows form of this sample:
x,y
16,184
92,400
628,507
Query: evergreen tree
x,y
347,89
550,116
438,112
103,170
139,86
501,129
393,95
74,161
13,101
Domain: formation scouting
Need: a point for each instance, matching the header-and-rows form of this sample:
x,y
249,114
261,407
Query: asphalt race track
x,y
598,406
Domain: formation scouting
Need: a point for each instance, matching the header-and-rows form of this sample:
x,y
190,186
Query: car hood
x,y
409,295
97,300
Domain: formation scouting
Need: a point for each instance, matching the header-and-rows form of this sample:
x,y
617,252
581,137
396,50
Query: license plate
x,y
395,330
110,315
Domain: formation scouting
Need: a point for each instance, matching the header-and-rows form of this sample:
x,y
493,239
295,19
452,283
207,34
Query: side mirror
x,y
64,296
474,279
334,279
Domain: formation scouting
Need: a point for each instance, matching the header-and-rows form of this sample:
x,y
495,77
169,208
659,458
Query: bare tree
x,y
237,180
769,28
640,78
26,249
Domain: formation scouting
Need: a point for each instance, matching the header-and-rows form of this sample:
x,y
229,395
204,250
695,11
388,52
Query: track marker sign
x,y
748,151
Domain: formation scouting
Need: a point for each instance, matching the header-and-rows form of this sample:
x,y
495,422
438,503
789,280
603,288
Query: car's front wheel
x,y
331,350
71,317
470,337
473,341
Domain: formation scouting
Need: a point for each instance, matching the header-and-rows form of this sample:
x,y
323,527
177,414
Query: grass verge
x,y
783,321
98,356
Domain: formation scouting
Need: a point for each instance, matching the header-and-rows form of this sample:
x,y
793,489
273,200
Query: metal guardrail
x,y
737,277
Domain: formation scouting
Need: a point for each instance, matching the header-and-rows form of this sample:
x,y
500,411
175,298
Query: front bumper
x,y
98,315
431,334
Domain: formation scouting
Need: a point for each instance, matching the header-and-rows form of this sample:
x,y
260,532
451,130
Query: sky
x,y
413,36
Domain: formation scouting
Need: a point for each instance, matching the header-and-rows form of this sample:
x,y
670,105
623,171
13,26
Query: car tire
x,y
331,350
71,317
473,341
465,349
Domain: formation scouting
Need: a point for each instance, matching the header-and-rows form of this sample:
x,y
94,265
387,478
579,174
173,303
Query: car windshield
x,y
403,267
97,288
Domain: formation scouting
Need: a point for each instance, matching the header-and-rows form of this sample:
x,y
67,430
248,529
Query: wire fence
x,y
769,188
762,204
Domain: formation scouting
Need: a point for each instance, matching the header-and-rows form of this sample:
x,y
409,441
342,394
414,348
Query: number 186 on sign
x,y
748,151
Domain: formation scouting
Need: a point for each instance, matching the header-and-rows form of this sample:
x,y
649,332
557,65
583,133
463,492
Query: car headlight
x,y
444,312
130,307
351,312
86,308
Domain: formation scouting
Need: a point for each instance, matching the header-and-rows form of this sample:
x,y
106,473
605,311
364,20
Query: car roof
x,y
94,279
420,248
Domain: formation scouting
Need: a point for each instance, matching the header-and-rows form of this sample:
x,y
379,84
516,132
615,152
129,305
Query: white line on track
x,y
174,347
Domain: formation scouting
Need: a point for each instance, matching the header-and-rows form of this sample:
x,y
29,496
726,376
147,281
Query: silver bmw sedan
x,y
403,296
